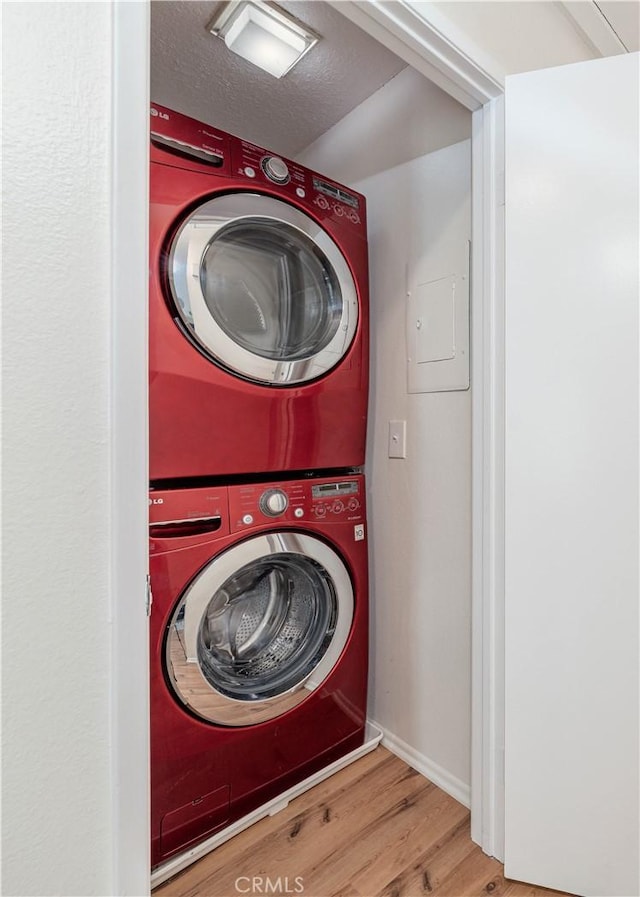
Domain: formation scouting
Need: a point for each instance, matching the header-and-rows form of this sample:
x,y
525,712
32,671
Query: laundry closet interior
x,y
359,116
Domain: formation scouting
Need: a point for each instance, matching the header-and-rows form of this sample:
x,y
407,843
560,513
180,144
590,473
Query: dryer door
x,y
262,289
259,628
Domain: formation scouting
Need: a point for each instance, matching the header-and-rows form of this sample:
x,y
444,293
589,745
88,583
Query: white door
x,y
572,535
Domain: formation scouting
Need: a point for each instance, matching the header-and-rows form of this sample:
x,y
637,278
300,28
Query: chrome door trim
x,y
197,596
185,261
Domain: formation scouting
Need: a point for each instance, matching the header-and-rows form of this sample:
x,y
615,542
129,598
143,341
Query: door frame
x,y
129,674
428,42
433,47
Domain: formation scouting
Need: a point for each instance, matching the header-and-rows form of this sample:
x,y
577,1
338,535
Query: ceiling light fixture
x,y
263,34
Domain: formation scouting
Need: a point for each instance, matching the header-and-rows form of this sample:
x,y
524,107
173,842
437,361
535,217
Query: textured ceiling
x,y
194,73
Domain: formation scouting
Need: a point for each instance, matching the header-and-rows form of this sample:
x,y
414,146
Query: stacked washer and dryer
x,y
258,402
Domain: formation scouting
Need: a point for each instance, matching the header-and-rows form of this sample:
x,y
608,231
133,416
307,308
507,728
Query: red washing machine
x,y
258,646
258,310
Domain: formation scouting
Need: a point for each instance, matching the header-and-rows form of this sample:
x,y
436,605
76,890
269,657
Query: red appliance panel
x,y
193,761
207,421
197,819
187,515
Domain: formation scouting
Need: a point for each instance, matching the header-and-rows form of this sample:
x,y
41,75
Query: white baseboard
x,y
176,864
430,770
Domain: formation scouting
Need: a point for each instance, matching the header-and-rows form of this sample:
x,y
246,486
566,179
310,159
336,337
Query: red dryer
x,y
258,646
258,309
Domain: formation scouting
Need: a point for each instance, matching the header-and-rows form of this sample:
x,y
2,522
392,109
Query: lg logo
x,y
156,501
157,114
263,884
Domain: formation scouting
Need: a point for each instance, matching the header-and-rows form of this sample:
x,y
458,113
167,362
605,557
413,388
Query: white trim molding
x,y
594,27
487,377
419,33
424,38
428,768
129,469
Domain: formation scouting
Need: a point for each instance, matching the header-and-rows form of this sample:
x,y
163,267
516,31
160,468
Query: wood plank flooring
x,y
374,829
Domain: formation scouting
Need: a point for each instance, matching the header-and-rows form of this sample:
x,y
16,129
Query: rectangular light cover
x,y
264,37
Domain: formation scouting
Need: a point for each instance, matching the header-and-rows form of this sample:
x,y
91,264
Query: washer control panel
x,y
331,501
274,502
335,499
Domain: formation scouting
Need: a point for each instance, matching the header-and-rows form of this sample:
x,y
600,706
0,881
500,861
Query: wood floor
x,y
375,829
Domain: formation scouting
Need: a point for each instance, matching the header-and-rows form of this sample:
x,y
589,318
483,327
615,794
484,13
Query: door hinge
x,y
149,596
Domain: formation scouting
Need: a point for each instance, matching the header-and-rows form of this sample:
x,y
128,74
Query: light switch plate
x,y
397,439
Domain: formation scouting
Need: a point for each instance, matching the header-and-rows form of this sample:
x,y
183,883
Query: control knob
x,y
274,502
275,169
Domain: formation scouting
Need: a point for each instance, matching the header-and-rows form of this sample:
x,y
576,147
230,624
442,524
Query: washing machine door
x,y
262,289
259,628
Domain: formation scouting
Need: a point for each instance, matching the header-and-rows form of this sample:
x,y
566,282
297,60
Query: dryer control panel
x,y
207,149
330,500
326,197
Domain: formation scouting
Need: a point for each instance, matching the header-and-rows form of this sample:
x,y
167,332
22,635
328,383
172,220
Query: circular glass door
x,y
262,289
259,628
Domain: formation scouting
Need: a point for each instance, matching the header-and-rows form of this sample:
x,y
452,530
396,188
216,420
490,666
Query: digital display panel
x,y
327,489
336,193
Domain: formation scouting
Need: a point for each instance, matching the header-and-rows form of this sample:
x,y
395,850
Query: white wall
x,y
407,118
419,508
56,809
